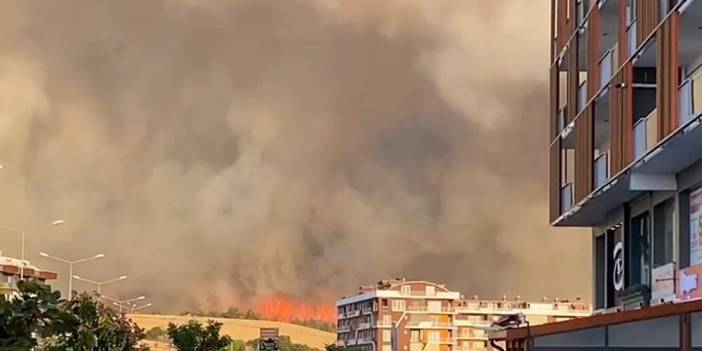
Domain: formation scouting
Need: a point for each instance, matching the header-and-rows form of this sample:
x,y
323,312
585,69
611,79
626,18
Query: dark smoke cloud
x,y
218,151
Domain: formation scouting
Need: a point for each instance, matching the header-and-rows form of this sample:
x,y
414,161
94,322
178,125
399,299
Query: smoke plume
x,y
219,151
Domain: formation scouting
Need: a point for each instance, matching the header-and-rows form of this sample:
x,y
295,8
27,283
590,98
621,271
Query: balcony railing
x,y
429,309
645,134
606,64
430,324
582,96
566,198
364,326
632,37
601,170
365,340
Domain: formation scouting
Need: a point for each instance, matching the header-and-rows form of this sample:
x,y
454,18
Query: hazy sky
x,y
221,150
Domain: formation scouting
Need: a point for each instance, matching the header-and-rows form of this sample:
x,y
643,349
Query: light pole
x,y
121,303
23,232
70,267
100,284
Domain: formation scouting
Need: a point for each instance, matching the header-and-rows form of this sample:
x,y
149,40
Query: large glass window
x,y
664,215
640,251
600,272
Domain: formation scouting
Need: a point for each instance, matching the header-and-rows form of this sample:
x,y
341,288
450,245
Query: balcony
x,y
366,311
365,340
343,329
362,326
600,170
351,314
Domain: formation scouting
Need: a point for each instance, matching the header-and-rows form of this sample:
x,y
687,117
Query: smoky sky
x,y
220,151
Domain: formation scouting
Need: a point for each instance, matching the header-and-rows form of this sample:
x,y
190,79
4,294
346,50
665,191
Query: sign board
x,y
663,284
689,283
269,340
695,227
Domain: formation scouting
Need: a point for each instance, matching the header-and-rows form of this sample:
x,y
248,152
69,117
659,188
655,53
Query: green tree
x,y
28,317
155,333
87,324
192,336
285,344
38,319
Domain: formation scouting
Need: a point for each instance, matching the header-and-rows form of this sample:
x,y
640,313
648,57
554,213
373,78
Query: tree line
x,y
236,313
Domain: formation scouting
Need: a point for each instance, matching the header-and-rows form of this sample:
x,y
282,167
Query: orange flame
x,y
285,310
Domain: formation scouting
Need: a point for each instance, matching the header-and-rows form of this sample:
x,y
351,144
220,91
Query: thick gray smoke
x,y
221,150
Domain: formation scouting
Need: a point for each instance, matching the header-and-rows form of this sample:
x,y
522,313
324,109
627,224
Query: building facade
x,y
423,316
625,160
11,271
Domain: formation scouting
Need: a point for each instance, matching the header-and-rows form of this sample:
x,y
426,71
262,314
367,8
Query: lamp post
x,y
70,267
101,283
23,232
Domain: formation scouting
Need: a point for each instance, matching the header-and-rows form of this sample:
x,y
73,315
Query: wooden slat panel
x,y
667,77
593,50
583,154
647,18
553,104
562,24
623,39
554,181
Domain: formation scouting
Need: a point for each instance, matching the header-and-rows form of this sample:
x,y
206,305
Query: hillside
x,y
243,329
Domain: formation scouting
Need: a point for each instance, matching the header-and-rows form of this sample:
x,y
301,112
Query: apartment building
x,y
423,316
420,314
11,271
625,160
474,317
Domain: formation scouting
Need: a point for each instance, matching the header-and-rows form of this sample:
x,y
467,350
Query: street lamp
x,y
23,232
137,308
121,303
100,284
70,267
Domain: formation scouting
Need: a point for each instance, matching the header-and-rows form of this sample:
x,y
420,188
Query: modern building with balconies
x,y
626,161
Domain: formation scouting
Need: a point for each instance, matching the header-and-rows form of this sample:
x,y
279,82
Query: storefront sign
x,y
695,227
618,267
689,283
663,284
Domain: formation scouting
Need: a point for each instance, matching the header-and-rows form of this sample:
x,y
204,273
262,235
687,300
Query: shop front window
x,y
640,251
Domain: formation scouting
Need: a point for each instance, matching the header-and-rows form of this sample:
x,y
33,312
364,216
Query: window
x,y
664,215
384,303
640,251
430,290
600,283
434,337
414,336
387,335
398,305
387,347
387,319
406,290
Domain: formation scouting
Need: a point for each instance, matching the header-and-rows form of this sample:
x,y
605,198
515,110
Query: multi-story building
x,y
625,160
419,313
11,271
404,315
475,317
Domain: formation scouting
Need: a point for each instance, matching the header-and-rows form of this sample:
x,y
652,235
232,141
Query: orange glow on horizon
x,y
282,309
